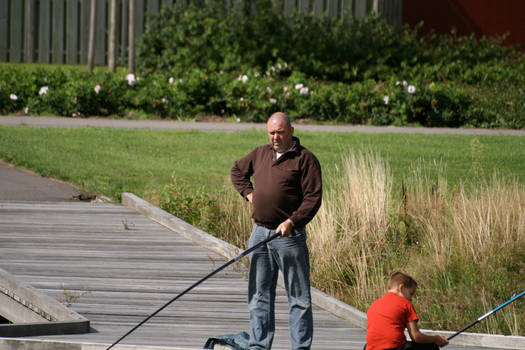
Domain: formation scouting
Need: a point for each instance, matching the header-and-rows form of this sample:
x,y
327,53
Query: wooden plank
x,y
318,7
16,31
57,34
289,7
347,8
100,33
153,7
84,30
361,9
72,29
4,30
123,30
44,32
332,8
139,18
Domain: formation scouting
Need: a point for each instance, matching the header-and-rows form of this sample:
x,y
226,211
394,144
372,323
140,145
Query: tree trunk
x,y
112,35
30,31
91,44
131,34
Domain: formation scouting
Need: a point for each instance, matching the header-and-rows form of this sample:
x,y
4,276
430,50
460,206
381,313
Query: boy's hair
x,y
398,278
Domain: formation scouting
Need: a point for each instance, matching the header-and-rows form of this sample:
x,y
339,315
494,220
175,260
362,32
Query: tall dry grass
x,y
349,235
464,244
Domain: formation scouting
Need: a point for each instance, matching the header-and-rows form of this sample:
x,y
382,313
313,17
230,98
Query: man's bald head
x,y
279,117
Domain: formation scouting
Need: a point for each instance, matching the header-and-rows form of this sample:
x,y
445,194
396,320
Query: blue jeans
x,y
290,255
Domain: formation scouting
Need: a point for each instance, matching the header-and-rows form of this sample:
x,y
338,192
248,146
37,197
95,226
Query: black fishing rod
x,y
488,314
237,258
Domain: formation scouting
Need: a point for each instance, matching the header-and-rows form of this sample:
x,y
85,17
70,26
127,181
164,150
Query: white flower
x,y
398,82
164,100
241,99
43,90
273,101
13,97
256,74
238,120
131,79
97,88
74,114
304,91
405,83
243,78
171,80
411,89
298,86
26,110
268,90
386,99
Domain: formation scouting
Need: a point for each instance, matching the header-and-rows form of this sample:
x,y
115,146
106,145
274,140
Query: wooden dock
x,y
115,267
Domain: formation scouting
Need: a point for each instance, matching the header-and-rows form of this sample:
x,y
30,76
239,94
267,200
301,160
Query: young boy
x,y
389,315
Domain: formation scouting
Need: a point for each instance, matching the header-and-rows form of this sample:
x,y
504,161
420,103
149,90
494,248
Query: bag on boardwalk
x,y
239,341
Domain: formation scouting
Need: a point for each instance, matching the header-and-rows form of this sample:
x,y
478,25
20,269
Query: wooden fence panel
x,y
84,30
58,32
4,21
44,32
72,32
16,37
61,27
101,30
123,30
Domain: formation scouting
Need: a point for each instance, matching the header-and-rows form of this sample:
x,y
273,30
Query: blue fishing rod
x,y
488,313
243,254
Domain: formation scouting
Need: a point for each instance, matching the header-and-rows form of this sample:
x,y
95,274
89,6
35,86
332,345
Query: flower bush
x,y
207,61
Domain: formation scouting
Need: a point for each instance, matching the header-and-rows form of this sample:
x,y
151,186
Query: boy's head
x,y
402,284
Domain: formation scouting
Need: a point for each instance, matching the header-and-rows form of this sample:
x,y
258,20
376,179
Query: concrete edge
x,y
323,300
33,344
39,314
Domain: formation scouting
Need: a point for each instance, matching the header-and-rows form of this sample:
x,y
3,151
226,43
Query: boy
x,y
389,315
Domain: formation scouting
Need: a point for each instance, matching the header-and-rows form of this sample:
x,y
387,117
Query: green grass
x,y
112,161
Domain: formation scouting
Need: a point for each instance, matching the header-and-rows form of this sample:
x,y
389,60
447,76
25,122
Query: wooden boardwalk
x,y
115,267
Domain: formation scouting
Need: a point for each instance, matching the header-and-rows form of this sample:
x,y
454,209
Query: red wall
x,y
481,17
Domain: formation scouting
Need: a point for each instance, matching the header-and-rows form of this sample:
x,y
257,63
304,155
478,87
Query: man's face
x,y
280,135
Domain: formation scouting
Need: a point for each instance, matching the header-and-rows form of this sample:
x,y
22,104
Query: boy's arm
x,y
418,337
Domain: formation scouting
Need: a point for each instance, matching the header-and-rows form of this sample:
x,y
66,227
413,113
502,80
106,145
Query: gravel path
x,y
229,127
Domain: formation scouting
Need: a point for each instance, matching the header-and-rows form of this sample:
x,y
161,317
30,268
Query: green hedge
x,y
208,61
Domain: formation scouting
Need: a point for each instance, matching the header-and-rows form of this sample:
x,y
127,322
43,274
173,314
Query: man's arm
x,y
240,175
418,337
312,189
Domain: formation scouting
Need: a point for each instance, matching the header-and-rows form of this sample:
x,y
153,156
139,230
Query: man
x,y
285,195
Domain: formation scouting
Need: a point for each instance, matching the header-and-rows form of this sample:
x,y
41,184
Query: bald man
x,y
286,194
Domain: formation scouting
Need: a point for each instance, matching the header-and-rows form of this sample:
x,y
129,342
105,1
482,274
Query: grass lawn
x,y
112,161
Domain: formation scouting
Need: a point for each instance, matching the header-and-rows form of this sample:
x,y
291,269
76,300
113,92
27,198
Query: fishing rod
x,y
237,258
488,314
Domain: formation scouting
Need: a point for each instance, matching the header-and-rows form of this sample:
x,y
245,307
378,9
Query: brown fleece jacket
x,y
290,187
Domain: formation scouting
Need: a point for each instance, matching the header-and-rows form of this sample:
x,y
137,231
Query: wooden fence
x,y
57,31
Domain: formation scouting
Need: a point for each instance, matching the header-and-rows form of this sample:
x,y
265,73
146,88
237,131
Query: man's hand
x,y
249,197
285,228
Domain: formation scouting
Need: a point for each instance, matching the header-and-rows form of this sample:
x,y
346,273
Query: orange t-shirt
x,y
387,319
